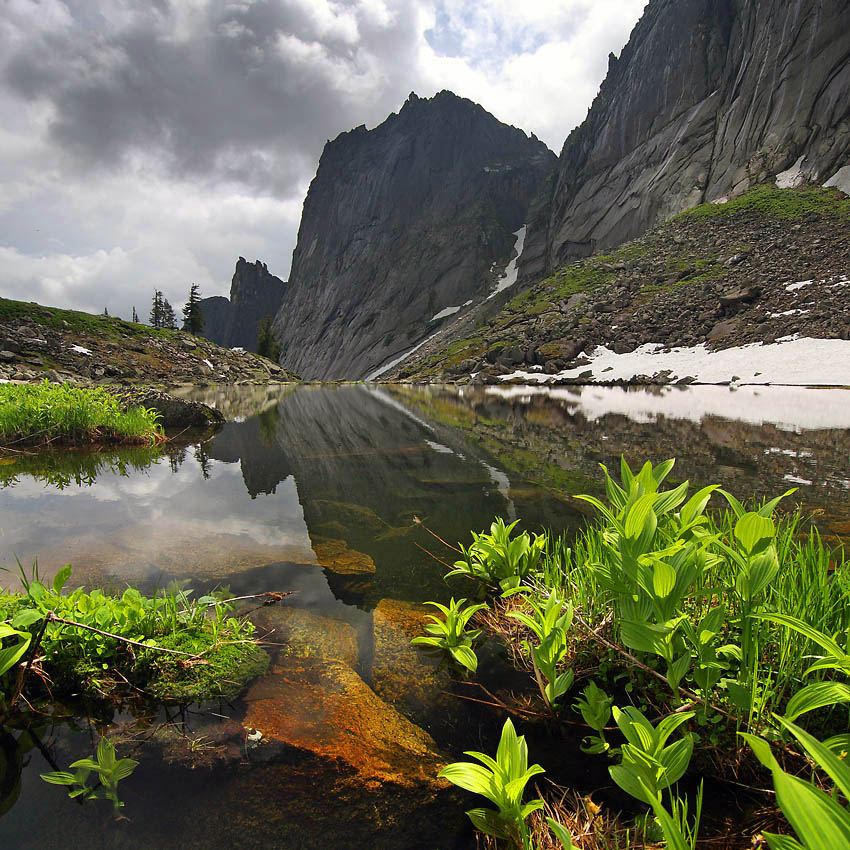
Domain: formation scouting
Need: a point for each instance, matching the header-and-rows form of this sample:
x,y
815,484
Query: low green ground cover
x,y
784,204
682,639
62,413
168,646
108,327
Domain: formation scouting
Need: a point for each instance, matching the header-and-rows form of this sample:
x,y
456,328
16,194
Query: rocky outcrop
x,y
255,294
402,223
707,98
65,345
721,275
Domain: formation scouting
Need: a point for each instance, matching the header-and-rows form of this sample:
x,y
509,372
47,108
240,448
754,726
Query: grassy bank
x,y
685,642
44,414
169,646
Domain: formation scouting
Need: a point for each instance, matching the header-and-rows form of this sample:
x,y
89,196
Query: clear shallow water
x,y
337,475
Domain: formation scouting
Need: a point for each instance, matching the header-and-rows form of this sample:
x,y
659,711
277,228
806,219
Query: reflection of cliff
x,y
363,470
252,444
364,467
557,442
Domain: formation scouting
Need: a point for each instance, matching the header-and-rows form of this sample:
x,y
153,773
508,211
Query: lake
x,y
339,494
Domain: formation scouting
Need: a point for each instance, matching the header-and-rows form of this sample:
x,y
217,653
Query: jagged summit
x,y
401,223
255,294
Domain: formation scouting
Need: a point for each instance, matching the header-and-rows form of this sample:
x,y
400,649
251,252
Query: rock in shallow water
x,y
327,710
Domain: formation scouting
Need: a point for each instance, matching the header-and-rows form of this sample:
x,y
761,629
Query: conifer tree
x,y
267,345
135,315
156,316
193,318
168,318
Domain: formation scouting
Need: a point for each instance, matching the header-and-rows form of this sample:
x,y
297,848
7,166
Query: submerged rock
x,y
337,557
327,710
309,635
402,674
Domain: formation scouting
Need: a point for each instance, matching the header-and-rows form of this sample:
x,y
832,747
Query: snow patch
x,y
795,480
788,313
449,311
381,369
840,180
793,177
80,350
508,279
790,360
208,363
439,448
793,287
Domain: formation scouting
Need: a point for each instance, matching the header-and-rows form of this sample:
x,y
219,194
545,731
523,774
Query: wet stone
x,y
338,558
327,710
402,674
309,635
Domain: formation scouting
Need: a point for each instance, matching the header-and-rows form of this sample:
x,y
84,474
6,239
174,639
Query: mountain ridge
x,y
742,92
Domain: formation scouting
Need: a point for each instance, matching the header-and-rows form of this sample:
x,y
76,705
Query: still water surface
x,y
316,490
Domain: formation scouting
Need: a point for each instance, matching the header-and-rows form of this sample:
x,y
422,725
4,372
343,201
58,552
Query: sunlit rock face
x,y
400,224
707,98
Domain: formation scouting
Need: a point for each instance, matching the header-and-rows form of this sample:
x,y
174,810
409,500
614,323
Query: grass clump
x,y
784,204
61,413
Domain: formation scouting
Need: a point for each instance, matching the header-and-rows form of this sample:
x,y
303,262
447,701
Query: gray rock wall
x,y
255,293
707,98
401,222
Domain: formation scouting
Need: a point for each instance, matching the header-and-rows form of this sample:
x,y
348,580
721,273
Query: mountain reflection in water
x,y
316,490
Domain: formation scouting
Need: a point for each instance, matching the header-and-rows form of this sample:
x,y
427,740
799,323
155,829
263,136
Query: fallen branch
x,y
54,619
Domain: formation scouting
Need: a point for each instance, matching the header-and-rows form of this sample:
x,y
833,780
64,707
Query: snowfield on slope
x,y
796,362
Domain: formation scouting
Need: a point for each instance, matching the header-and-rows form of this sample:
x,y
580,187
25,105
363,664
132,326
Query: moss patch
x,y
222,673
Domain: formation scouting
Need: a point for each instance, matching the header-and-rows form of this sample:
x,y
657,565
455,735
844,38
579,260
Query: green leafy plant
x,y
649,766
108,769
816,694
820,821
94,642
502,781
550,622
499,561
451,634
651,566
595,707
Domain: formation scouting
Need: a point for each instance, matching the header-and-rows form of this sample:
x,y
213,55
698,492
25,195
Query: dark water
x,y
315,491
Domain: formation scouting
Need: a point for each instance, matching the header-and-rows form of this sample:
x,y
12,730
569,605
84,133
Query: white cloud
x,y
149,144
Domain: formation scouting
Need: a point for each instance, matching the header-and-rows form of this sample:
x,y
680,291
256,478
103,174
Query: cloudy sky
x,y
148,143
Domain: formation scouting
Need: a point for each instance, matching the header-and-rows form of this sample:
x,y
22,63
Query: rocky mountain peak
x,y
255,293
401,223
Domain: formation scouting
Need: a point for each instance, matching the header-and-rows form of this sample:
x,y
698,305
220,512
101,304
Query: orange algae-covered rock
x,y
338,558
326,709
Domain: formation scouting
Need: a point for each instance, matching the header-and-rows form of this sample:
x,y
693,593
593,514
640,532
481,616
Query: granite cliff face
x,y
401,223
707,98
255,293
